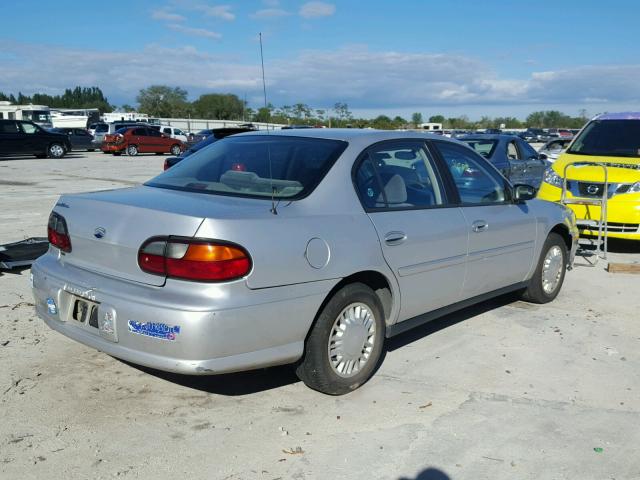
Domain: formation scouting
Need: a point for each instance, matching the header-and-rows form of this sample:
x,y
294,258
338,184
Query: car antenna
x,y
274,207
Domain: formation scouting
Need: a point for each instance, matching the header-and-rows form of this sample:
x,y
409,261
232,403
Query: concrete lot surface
x,y
503,390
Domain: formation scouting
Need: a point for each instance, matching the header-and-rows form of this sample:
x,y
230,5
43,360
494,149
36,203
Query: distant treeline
x,y
79,97
172,102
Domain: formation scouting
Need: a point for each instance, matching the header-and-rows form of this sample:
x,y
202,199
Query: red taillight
x,y
194,259
58,233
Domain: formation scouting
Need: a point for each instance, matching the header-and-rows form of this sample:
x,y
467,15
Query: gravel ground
x,y
502,390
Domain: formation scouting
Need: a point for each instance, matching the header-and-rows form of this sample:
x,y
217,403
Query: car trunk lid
x,y
107,228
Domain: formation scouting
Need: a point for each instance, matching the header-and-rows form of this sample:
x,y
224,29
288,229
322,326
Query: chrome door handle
x,y
479,226
395,238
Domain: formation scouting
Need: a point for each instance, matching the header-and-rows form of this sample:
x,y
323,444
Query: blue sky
x,y
452,57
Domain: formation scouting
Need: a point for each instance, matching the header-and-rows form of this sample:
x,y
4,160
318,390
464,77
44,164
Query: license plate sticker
x,y
161,331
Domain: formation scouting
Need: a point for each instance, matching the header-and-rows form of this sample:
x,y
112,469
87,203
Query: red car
x,y
134,140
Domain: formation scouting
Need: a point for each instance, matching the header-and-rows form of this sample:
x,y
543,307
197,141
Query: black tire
x,y
175,150
315,368
535,291
105,151
55,150
90,149
132,150
159,153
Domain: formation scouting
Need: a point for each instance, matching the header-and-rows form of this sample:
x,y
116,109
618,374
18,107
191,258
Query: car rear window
x,y
609,138
484,147
257,166
102,128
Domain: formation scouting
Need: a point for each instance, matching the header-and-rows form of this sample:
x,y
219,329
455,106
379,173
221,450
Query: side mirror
x,y
542,156
522,193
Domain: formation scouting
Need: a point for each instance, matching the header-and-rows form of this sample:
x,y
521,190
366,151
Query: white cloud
x,y
167,16
196,32
269,13
218,11
317,9
366,80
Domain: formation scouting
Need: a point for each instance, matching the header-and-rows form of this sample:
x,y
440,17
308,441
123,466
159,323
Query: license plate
x,y
85,312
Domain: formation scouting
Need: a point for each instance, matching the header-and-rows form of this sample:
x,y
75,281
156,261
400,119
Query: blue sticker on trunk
x,y
155,330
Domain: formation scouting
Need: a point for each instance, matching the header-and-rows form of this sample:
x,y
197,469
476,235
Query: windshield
x,y
100,128
240,166
484,147
609,138
122,130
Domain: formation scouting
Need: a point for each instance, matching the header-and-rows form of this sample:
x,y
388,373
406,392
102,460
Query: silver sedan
x,y
308,247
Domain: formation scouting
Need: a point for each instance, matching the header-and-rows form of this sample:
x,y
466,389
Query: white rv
x,y
39,114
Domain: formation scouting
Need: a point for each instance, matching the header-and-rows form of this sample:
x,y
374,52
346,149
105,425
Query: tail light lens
x,y
194,259
58,233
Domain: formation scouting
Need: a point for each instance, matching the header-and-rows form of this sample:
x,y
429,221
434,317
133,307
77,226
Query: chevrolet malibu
x,y
308,247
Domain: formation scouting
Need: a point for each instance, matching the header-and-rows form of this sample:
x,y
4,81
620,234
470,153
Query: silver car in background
x,y
297,246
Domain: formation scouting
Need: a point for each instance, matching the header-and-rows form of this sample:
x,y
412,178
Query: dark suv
x,y
18,137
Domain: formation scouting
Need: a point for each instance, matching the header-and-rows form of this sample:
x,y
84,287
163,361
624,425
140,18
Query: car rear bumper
x,y
106,147
226,328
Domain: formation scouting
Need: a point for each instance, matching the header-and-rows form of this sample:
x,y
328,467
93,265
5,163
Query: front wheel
x,y
132,150
345,344
175,150
547,280
56,150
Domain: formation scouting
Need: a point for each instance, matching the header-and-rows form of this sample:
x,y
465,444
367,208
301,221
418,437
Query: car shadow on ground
x,y
229,384
244,383
74,154
441,323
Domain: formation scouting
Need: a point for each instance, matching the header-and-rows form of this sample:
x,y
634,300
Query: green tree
x,y
436,119
416,119
264,114
342,111
163,101
382,122
217,106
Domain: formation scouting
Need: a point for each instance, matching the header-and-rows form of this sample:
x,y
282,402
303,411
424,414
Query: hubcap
x,y
552,269
56,151
133,151
351,340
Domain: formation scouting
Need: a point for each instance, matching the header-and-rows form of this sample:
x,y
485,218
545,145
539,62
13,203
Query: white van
x,y
174,132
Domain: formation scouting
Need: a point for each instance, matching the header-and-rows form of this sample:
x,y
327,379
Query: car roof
x,y
488,136
348,134
619,116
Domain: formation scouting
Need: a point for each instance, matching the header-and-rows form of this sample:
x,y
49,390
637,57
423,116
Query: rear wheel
x,y
175,150
132,150
56,150
547,280
90,149
345,344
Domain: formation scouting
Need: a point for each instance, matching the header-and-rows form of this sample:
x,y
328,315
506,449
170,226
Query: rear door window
x,y
9,127
139,132
398,175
